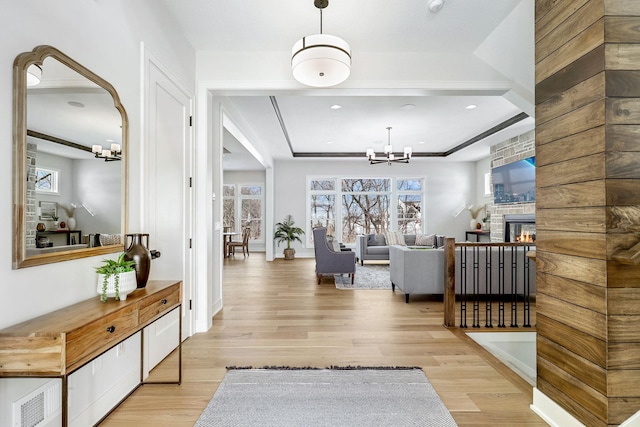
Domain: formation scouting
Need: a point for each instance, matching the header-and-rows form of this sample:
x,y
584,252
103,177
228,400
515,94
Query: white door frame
x,y
151,61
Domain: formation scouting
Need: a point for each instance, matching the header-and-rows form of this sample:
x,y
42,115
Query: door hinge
x,y
190,182
190,304
190,242
190,120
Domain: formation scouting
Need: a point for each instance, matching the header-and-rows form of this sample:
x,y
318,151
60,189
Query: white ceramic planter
x,y
126,284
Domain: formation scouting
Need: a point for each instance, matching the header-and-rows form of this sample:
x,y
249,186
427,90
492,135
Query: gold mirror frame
x,y
20,65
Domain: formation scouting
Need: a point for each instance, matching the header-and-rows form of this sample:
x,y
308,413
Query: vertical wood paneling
x,y
574,408
580,120
581,343
589,188
622,7
584,93
587,194
571,27
579,318
578,46
622,29
586,397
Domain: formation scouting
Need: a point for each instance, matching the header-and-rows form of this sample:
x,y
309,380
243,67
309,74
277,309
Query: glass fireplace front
x,y
520,228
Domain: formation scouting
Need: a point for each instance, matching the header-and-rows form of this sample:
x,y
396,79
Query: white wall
x,y
449,185
104,36
483,166
98,184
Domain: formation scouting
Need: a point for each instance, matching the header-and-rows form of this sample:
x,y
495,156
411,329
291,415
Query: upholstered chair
x,y
330,260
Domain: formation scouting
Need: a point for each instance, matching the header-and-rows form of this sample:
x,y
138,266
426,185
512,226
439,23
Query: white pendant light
x,y
321,60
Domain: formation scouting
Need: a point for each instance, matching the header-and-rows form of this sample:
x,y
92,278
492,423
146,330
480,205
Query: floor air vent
x,y
38,407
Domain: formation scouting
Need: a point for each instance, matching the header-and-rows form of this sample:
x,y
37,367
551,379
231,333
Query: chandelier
x,y
112,155
389,156
321,60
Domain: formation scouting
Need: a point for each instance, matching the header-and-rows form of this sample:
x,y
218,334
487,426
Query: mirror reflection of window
x,y
46,180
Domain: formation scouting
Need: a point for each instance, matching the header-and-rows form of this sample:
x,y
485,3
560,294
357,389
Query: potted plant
x,y
116,278
287,232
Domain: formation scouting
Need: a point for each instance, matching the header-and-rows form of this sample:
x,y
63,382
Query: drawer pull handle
x,y
164,301
111,329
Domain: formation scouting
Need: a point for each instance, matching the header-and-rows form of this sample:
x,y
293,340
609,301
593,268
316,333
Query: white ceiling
x,y
439,121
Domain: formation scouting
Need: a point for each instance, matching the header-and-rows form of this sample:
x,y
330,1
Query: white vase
x,y
126,284
71,223
473,224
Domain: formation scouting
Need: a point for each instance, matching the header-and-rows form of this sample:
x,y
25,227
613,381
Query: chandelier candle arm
x,y
109,155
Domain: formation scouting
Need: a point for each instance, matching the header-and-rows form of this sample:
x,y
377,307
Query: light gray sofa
x,y
375,247
421,271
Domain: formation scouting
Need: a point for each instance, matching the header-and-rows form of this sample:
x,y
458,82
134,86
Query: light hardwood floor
x,y
276,315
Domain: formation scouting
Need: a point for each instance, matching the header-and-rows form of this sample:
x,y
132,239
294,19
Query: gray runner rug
x,y
325,397
367,277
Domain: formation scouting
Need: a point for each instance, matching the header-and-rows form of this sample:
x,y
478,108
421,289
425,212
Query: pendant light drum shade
x,y
321,60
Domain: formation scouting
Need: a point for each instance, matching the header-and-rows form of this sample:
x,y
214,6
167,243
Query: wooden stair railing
x,y
503,293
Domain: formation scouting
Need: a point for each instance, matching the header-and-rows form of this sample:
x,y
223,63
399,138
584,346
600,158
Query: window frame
x,y
55,181
338,191
238,197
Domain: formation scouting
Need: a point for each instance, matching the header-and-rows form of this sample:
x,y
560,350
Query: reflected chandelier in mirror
x,y
69,195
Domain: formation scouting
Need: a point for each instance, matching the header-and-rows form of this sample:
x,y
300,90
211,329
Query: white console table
x,y
59,343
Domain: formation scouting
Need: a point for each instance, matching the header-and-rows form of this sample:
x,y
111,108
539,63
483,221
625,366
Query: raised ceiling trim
x,y
499,127
276,109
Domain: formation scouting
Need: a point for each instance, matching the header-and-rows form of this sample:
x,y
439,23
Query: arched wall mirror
x,y
70,162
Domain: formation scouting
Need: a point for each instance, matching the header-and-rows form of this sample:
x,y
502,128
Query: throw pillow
x,y
395,238
440,241
425,240
336,245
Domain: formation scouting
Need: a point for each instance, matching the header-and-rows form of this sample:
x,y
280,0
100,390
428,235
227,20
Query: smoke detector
x,y
435,5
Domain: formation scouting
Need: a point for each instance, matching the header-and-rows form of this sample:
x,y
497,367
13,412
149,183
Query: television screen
x,y
515,182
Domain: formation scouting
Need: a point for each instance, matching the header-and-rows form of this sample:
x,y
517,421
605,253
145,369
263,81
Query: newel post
x,y
449,282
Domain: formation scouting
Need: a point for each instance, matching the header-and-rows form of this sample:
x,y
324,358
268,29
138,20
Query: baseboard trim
x,y
552,413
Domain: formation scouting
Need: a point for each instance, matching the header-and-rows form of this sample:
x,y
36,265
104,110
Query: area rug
x,y
325,397
367,277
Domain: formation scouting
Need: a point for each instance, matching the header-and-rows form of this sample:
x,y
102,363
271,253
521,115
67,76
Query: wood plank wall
x,y
588,206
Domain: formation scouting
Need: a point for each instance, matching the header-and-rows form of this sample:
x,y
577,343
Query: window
x,y
365,206
229,206
251,202
487,184
46,180
243,206
409,207
322,209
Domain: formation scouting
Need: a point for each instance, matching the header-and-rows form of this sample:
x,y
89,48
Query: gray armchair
x,y
329,260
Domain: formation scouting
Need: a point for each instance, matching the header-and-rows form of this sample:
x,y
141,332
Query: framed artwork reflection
x,y
48,210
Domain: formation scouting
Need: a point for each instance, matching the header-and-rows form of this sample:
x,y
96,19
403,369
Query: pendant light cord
x,y
320,21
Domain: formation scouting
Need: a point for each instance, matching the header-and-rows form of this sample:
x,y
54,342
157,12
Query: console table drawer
x,y
91,339
159,303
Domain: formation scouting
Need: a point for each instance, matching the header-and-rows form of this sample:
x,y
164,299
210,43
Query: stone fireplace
x,y
520,228
511,150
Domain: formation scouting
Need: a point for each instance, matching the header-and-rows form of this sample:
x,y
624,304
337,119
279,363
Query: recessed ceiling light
x,y
378,142
421,142
329,142
407,107
471,107
336,107
76,104
435,5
